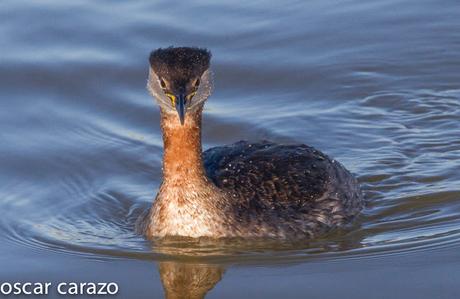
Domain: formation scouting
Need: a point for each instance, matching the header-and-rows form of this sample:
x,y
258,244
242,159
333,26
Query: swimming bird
x,y
246,189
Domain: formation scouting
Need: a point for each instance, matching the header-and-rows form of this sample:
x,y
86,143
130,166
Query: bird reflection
x,y
188,280
194,266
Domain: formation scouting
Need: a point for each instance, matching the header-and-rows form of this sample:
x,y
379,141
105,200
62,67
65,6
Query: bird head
x,y
180,79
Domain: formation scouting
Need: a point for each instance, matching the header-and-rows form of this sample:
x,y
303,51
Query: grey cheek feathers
x,y
157,92
204,90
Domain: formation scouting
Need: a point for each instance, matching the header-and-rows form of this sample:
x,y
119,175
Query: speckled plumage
x,y
293,186
249,190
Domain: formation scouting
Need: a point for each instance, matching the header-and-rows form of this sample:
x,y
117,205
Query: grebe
x,y
246,189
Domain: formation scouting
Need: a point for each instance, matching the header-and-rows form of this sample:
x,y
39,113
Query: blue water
x,y
373,84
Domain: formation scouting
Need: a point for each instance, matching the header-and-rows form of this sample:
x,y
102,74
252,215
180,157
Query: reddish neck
x,y
182,161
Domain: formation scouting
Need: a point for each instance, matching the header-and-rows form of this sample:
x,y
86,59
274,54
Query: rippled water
x,y
374,84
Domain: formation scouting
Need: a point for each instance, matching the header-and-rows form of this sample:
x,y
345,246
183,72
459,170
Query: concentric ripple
x,y
376,86
408,177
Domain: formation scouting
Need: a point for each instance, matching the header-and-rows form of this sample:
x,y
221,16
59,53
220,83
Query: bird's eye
x,y
197,82
162,83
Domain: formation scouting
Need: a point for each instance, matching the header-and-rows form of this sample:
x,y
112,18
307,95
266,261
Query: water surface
x,y
373,84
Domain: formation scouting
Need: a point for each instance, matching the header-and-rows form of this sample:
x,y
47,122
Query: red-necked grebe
x,y
247,189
